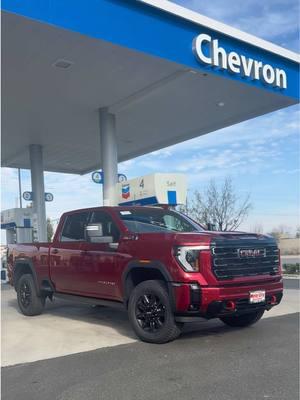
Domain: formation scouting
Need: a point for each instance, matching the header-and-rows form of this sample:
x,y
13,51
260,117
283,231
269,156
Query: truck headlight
x,y
188,257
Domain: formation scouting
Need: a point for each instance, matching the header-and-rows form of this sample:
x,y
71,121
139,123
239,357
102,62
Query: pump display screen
x,y
157,220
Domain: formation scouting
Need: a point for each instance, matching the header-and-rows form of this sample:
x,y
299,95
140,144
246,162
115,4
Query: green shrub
x,y
291,268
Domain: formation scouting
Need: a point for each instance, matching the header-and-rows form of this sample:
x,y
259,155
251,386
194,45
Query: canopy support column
x,y
109,156
38,189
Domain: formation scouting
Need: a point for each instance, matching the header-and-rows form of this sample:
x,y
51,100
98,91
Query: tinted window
x,y
157,220
74,225
108,225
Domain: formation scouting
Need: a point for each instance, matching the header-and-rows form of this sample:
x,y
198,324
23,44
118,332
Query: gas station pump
x,y
18,224
155,189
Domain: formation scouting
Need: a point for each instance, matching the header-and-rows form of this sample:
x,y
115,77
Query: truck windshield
x,y
157,220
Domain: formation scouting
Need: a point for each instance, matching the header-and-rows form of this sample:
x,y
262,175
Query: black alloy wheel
x,y
150,312
25,294
29,300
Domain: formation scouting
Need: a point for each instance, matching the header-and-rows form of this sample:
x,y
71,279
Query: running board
x,y
90,300
189,318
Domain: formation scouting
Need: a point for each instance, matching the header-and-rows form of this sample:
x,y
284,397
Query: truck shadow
x,y
206,328
117,319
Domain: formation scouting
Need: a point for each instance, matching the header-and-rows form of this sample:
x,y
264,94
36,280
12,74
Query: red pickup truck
x,y
160,265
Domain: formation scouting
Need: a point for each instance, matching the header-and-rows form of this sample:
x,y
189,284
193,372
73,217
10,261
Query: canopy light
x,y
63,64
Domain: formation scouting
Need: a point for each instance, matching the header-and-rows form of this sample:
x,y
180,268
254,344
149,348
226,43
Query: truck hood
x,y
206,237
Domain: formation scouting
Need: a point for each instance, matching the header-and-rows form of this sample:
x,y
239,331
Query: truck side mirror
x,y
94,234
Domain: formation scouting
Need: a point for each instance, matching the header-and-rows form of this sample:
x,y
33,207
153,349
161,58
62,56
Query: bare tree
x,y
258,228
280,232
219,206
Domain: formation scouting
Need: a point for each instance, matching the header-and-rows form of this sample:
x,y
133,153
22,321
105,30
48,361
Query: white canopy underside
x,y
157,103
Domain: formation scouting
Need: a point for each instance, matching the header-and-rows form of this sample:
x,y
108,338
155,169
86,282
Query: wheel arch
x,y
22,267
137,272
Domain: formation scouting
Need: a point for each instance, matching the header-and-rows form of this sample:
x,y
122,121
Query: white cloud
x,y
287,171
243,148
163,153
9,179
276,20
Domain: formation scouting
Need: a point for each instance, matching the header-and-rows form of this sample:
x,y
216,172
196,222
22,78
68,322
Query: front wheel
x,y
243,320
150,313
28,300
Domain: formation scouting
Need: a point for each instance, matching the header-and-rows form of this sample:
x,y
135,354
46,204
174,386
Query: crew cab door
x,y
66,258
102,261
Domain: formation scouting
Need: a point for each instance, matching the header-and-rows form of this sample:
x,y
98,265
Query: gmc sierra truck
x,y
163,267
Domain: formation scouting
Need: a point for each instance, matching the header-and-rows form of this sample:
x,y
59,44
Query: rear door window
x,y
109,226
73,229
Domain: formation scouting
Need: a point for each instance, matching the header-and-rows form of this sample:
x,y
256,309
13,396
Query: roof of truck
x,y
116,208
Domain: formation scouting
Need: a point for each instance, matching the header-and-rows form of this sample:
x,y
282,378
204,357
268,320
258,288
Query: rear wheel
x,y
150,313
243,320
29,302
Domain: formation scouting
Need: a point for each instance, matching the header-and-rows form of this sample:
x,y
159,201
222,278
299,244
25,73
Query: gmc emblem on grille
x,y
247,253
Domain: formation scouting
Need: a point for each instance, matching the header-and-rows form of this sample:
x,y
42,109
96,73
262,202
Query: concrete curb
x,y
291,276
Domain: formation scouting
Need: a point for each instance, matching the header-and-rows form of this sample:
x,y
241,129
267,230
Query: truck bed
x,y
36,254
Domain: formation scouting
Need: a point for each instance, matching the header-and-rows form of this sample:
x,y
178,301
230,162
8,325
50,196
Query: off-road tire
x,y
168,330
243,320
29,302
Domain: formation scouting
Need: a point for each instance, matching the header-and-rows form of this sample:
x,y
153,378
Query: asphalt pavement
x,y
214,363
291,283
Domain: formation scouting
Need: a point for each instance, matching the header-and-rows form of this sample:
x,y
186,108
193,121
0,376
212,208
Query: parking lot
x,y
75,351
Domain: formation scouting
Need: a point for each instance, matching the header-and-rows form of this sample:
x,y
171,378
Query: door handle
x,y
55,251
85,253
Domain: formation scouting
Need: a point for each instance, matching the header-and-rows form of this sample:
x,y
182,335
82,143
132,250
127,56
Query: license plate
x,y
258,296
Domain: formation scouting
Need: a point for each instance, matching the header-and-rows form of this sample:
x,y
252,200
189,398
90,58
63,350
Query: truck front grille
x,y
244,258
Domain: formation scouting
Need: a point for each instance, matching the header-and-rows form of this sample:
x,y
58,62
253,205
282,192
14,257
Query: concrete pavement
x,y
211,363
67,328
64,328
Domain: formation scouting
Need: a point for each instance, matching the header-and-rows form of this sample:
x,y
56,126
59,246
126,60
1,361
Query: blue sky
x,y
261,155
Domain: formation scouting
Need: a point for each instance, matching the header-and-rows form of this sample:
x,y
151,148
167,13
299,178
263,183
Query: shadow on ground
x,y
117,319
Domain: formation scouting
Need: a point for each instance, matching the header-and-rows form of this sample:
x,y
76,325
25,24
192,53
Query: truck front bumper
x,y
193,301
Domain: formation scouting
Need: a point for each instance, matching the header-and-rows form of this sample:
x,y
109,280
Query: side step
x,y
90,300
187,319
